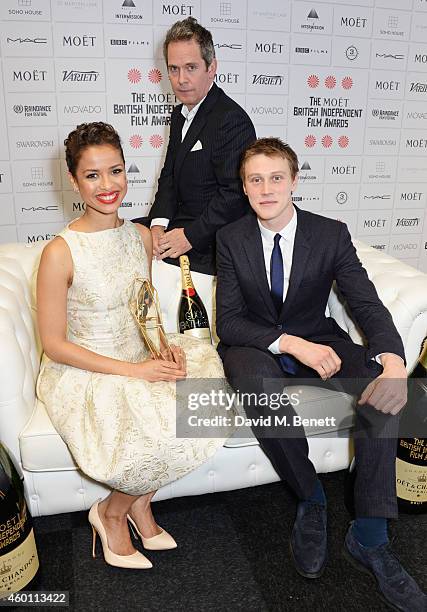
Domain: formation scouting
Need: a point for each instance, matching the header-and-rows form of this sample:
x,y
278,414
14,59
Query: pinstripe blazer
x,y
200,189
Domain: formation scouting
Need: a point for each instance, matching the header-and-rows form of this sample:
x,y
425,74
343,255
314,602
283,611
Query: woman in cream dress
x,y
114,406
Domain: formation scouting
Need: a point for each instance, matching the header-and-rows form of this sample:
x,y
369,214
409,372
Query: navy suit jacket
x,y
323,253
200,189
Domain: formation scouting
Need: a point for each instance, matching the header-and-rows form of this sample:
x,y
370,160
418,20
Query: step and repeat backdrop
x,y
344,83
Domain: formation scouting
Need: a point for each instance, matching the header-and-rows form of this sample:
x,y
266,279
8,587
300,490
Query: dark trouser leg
x,y
375,437
247,370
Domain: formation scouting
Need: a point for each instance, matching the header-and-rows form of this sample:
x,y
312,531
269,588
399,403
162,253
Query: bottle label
x,y
202,333
19,566
411,481
187,282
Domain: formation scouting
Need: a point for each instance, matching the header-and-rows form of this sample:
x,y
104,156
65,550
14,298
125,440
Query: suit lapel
x,y
302,247
196,127
255,254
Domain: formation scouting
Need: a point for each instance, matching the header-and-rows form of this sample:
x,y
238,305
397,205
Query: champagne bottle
x,y
192,316
19,561
411,461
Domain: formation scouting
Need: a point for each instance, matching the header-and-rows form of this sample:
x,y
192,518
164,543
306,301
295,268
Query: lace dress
x,y
120,430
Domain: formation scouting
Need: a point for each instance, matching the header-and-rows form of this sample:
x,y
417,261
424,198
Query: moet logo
x,y
78,41
29,75
184,10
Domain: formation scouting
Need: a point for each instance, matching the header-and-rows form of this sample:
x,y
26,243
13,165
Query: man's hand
x,y
157,231
173,243
320,358
388,392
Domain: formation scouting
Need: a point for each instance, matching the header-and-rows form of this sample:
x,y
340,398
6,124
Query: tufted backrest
x,y
402,288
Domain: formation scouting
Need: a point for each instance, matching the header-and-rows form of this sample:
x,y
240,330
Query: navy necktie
x,y
276,274
277,280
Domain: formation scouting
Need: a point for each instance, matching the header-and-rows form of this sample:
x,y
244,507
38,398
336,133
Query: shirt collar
x,y
189,114
287,232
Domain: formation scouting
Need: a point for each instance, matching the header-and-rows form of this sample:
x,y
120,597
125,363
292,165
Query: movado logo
x,y
407,246
80,75
84,108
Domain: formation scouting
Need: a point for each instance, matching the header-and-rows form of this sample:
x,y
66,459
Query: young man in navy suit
x,y
276,267
199,187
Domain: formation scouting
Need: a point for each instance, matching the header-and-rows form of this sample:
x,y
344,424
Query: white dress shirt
x,y
189,116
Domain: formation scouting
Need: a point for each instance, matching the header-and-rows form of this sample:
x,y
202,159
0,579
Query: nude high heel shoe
x,y
161,541
134,561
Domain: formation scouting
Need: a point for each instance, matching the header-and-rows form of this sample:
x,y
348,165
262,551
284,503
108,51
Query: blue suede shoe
x,y
397,588
308,540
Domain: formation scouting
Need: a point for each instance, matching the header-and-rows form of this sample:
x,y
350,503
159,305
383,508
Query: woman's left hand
x,y
178,355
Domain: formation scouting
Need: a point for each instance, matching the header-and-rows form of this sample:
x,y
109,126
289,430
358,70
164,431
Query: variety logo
x,y
267,79
80,75
418,87
407,222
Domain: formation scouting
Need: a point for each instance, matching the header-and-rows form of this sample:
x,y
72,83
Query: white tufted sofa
x,y
53,482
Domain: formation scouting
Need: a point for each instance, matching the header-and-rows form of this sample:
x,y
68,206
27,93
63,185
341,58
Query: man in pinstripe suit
x,y
199,189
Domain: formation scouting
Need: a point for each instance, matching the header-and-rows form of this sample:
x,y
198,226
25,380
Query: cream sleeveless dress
x,y
120,430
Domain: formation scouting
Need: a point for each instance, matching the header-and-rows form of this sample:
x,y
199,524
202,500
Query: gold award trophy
x,y
144,305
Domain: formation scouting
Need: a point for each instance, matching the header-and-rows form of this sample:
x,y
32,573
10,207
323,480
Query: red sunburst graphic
x,y
134,75
343,141
330,82
156,141
310,140
155,76
347,83
135,141
327,141
313,81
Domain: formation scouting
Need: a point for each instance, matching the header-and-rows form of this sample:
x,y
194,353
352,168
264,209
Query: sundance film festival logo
x,y
32,111
130,12
80,75
388,115
267,79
